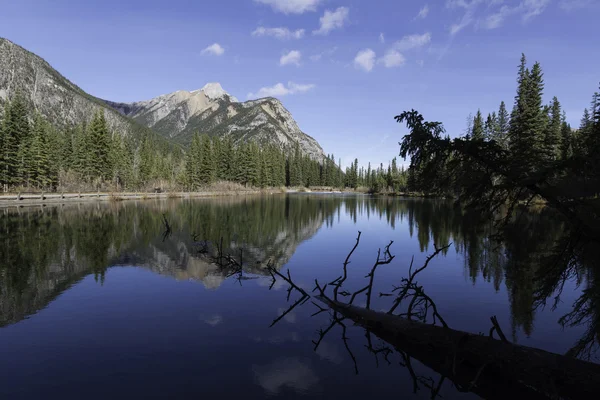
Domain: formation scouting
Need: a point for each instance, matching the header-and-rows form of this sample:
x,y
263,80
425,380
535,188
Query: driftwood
x,y
491,368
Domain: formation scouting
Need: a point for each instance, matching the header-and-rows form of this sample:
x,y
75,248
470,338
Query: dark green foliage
x,y
553,137
503,126
491,127
99,148
478,132
16,137
207,165
528,120
34,155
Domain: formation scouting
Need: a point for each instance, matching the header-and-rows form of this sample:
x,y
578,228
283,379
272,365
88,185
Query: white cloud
x,y
318,56
279,33
332,20
412,41
527,8
467,18
381,38
214,49
420,63
292,6
291,58
392,58
496,20
280,90
365,59
533,8
423,12
570,5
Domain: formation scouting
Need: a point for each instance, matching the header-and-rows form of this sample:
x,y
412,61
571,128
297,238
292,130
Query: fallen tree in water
x,y
491,368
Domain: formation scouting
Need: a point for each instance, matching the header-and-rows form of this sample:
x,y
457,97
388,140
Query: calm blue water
x,y
94,304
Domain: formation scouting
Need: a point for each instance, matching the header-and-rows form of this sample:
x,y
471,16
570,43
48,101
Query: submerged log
x,y
490,368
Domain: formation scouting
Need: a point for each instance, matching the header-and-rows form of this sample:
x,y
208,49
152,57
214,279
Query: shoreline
x,y
13,200
41,199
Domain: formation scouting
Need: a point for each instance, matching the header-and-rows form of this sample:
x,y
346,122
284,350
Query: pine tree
x,y
503,126
3,144
192,163
206,173
491,126
16,141
552,142
81,159
478,128
296,178
40,173
66,150
99,142
528,120
566,139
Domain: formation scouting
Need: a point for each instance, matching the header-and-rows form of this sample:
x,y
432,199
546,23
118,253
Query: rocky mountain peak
x,y
214,91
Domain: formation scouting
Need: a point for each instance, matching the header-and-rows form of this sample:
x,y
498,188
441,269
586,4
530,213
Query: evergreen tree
x,y
206,172
503,126
566,140
491,126
296,178
3,149
552,142
16,141
81,156
99,142
39,169
528,120
478,128
192,163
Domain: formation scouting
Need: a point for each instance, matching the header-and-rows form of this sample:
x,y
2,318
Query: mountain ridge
x,y
174,116
180,114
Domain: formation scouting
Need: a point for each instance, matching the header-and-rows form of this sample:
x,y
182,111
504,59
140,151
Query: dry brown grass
x,y
114,197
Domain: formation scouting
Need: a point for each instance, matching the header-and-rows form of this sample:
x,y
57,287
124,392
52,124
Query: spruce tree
x,y
528,120
503,126
478,128
99,142
206,173
192,164
566,140
40,154
552,140
16,141
3,144
491,126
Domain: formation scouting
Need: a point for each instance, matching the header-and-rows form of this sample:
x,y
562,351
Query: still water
x,y
96,302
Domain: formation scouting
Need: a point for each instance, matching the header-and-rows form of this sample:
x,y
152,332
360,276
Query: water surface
x,y
96,302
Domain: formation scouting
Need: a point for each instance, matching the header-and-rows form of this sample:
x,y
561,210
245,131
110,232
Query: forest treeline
x,y
534,142
34,155
535,139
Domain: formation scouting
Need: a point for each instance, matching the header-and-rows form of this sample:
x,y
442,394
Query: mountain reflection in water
x,y
59,275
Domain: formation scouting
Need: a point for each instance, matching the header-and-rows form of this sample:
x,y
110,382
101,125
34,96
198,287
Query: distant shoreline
x,y
41,199
36,199
12,200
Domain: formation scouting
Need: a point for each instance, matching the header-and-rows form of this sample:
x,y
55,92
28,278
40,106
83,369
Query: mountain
x,y
176,116
51,94
213,111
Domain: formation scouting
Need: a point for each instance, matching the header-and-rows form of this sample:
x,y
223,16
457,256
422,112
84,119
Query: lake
x,y
96,301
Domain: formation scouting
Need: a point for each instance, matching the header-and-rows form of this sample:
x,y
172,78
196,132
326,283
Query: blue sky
x,y
344,68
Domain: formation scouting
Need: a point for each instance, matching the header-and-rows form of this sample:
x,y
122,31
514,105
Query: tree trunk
x,y
491,368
